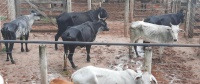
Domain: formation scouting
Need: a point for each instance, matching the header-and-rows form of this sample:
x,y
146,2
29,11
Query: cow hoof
x,y
65,69
88,60
27,50
56,48
12,61
75,67
22,50
7,59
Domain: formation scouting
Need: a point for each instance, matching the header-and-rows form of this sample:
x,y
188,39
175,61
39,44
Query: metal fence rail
x,y
98,43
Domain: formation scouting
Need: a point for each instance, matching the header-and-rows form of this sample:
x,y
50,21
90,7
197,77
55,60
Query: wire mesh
x,y
179,64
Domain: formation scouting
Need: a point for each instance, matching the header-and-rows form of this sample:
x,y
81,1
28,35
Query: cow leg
x,y
59,33
135,47
160,53
22,49
88,52
70,56
26,38
13,37
7,51
10,53
65,58
132,50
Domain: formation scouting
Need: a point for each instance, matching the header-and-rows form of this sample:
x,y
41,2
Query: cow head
x,y
145,78
174,30
181,15
36,14
104,26
102,14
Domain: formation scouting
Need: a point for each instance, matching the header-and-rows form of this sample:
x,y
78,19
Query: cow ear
x,y
169,29
138,77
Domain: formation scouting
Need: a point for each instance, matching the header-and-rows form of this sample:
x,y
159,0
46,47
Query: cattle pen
x,y
43,56
181,60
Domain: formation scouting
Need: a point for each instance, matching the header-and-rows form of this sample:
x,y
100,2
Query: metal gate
x,y
194,19
50,7
3,11
144,8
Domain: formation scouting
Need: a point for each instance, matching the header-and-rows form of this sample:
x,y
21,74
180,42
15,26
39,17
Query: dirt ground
x,y
180,65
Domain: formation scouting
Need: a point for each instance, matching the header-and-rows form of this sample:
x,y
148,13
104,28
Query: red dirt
x,y
180,65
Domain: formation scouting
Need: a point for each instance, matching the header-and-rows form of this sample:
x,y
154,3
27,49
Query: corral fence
x,y
118,10
147,65
193,18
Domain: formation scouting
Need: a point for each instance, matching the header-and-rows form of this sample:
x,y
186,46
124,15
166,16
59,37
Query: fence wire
x,y
173,70
26,70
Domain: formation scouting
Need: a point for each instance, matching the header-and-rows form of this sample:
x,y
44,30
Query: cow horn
x,y
101,18
170,23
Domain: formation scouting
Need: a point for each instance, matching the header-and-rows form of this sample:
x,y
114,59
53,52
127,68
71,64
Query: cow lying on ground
x,y
85,32
153,33
65,19
60,81
96,75
18,28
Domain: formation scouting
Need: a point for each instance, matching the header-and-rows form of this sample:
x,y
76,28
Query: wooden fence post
x,y
69,6
89,4
198,49
43,64
0,36
148,59
126,18
131,9
11,9
187,34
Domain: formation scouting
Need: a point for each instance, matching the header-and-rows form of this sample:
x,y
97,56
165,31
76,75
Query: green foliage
x,y
3,49
3,18
45,20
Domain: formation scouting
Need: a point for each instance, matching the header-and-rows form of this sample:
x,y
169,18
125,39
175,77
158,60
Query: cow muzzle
x,y
107,29
175,40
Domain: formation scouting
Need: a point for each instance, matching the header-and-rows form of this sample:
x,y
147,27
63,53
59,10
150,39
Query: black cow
x,y
85,32
8,33
166,19
76,18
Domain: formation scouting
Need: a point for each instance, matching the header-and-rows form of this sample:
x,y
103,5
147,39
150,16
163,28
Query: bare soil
x,y
180,64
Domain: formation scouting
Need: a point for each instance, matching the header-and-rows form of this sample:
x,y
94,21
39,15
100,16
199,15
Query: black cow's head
x,y
36,13
104,26
102,14
181,15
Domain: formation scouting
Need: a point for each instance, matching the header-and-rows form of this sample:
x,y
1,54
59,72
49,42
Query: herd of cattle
x,y
83,26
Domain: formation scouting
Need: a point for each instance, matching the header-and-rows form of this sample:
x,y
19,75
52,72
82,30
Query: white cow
x,y
153,33
1,80
96,75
